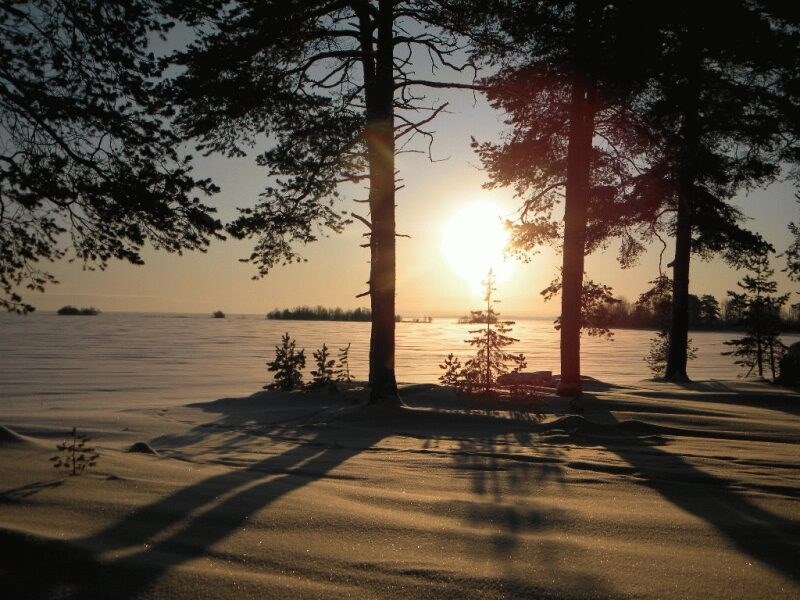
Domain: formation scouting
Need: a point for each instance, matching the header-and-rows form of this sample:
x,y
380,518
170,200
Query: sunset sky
x,y
337,267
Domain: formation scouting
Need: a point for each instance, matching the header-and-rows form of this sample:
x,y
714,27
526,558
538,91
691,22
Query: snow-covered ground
x,y
647,490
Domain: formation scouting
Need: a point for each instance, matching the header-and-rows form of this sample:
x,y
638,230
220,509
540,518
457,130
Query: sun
x,y
474,241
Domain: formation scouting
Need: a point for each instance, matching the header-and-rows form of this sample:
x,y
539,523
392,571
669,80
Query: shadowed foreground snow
x,y
652,490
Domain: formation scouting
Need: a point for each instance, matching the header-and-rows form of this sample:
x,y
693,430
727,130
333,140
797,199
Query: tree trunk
x,y
380,149
579,148
677,356
679,327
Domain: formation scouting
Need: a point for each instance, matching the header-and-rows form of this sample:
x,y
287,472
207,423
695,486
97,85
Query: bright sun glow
x,y
473,241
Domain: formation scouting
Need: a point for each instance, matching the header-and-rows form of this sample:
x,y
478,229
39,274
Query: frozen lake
x,y
119,359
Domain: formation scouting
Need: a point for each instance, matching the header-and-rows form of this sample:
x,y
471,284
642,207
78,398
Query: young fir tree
x,y
74,455
759,306
323,375
342,371
480,373
288,365
453,371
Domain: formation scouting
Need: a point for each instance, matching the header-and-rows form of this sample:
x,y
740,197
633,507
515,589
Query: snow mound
x,y
143,448
11,437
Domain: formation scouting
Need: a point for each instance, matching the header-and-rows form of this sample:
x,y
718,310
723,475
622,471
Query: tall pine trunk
x,y
380,149
579,150
677,355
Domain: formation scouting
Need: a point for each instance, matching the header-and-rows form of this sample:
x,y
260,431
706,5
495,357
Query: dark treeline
x,y
320,313
705,313
70,310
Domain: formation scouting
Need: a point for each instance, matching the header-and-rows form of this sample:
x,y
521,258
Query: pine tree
x,y
323,375
565,73
710,311
335,89
759,306
792,254
342,371
88,161
597,307
719,117
74,455
288,365
480,373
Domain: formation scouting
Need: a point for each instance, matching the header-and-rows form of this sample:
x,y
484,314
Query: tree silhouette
x,y
87,160
342,371
710,311
719,113
597,304
288,365
566,79
453,371
74,455
331,87
759,307
792,253
323,375
491,359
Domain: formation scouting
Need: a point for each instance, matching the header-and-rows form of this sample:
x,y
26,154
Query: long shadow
x,y
771,539
179,527
765,396
768,538
210,520
499,472
17,495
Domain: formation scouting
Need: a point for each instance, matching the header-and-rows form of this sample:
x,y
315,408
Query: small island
x,y
69,310
475,316
218,314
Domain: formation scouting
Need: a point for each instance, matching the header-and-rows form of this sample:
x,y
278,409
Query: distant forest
x,y
320,313
705,312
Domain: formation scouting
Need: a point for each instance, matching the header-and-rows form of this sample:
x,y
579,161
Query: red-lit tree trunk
x,y
379,95
579,150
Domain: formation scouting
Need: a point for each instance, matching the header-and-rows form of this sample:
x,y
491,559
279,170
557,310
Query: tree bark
x,y
677,355
380,150
579,148
679,326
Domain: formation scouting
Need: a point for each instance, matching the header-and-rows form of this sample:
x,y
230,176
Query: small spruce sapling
x,y
452,371
342,371
480,373
759,308
323,375
288,365
74,456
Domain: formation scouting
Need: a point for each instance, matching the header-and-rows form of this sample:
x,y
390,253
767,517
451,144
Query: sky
x,y
427,282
